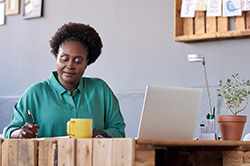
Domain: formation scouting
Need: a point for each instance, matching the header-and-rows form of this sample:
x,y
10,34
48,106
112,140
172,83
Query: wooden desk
x,y
199,152
122,152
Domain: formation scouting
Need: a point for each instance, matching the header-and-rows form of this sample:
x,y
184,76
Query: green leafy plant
x,y
234,93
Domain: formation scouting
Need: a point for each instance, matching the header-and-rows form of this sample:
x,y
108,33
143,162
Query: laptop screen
x,y
169,112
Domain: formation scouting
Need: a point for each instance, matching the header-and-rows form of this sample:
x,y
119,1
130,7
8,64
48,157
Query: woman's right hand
x,y
28,130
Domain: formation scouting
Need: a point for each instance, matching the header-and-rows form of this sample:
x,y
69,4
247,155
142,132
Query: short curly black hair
x,y
78,32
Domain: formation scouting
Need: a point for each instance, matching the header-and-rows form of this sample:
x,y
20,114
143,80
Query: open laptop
x,y
169,112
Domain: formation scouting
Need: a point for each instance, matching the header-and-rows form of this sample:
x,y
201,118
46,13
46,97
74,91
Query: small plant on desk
x,y
234,93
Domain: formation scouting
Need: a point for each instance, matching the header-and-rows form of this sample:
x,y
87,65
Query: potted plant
x,y
235,94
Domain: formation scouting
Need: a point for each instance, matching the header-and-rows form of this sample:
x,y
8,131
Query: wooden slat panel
x,y
222,24
247,14
188,28
9,153
211,25
145,158
177,17
19,152
84,152
212,36
123,152
240,22
66,152
199,22
247,157
232,158
209,157
102,152
144,155
47,152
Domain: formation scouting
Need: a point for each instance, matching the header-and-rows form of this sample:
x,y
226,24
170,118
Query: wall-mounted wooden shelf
x,y
209,28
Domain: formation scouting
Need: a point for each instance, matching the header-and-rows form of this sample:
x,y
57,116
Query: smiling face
x,y
71,63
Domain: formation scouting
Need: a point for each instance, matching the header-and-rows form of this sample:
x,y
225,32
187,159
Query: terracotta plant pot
x,y
231,126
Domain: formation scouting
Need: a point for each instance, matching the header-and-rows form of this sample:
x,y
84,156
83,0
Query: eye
x,y
78,60
64,58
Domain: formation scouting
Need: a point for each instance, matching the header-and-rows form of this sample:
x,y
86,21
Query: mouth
x,y
69,74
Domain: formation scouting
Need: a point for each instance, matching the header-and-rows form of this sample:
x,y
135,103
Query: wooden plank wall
x,y
85,149
64,152
209,28
108,152
19,152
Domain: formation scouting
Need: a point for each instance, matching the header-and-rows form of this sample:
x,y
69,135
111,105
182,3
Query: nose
x,y
70,65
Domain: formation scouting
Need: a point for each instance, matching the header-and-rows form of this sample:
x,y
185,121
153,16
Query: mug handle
x,y
69,125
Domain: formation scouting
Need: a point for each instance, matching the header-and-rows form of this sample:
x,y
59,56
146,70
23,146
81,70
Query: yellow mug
x,y
80,128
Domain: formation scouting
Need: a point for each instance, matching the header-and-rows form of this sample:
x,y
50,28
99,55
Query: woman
x,y
66,94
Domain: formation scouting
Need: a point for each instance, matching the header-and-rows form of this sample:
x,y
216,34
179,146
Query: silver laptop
x,y
169,112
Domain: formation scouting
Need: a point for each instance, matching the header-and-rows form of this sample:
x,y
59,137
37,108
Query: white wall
x,y
139,49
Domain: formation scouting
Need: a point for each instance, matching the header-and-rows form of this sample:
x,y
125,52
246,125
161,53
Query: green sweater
x,y
52,106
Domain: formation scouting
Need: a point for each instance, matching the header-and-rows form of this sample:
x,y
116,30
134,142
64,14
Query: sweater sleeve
x,y
19,116
114,121
17,121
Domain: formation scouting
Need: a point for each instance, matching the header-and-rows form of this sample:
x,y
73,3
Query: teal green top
x,y
52,106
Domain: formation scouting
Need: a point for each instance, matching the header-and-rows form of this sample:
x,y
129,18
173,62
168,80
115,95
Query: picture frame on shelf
x,y
2,13
12,7
32,9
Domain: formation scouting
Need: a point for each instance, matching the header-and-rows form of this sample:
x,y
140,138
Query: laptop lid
x,y
169,112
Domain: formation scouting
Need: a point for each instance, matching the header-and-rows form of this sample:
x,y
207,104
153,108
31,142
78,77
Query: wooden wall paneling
x,y
211,23
247,14
84,152
209,28
178,20
47,152
123,153
188,26
9,153
102,152
222,23
19,152
66,152
199,22
240,22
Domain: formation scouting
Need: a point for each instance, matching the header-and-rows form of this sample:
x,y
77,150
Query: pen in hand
x,y
31,118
